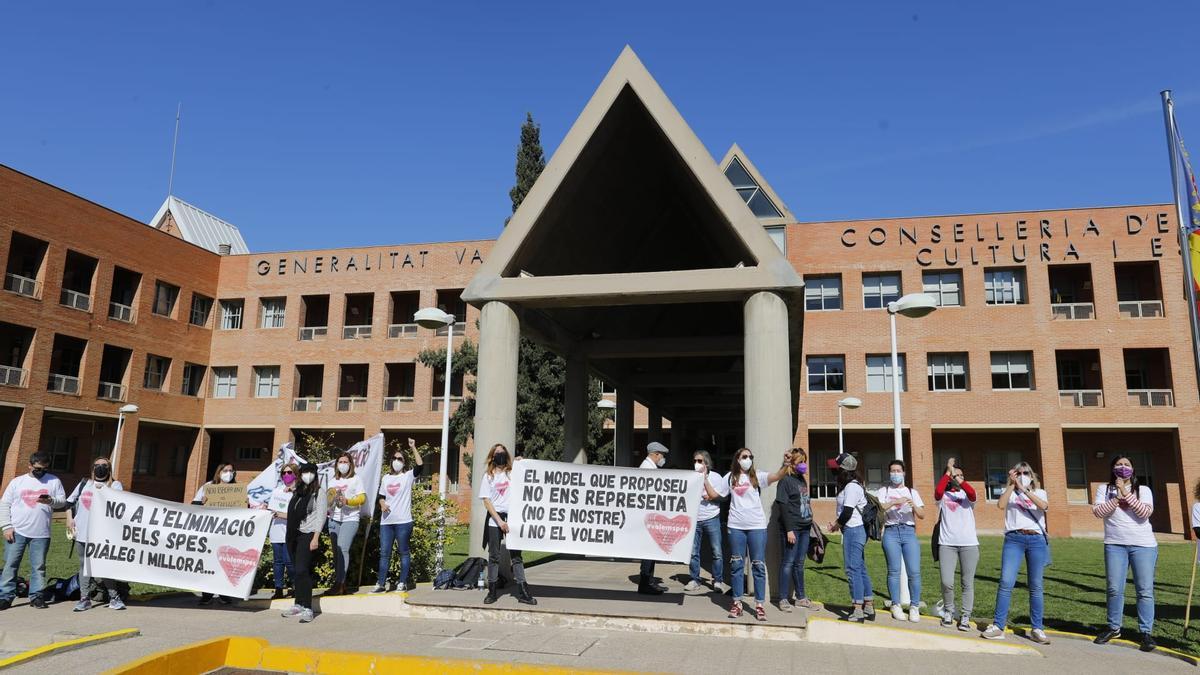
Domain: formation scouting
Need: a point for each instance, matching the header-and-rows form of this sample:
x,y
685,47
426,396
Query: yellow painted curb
x,y
66,645
255,653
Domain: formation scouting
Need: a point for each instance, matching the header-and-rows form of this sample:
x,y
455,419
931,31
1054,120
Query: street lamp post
x,y
605,404
127,409
914,306
851,403
432,317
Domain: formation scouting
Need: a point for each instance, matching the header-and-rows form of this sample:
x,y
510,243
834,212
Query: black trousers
x,y
297,546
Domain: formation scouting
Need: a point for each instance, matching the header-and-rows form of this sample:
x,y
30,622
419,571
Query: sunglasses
x,y
749,457
1024,473
289,473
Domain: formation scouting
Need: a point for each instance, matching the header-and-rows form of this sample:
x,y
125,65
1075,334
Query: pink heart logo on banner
x,y
393,488
501,488
86,498
741,489
666,532
237,564
30,497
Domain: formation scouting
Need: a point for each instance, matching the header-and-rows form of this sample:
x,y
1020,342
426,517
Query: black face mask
x,y
500,459
101,471
38,472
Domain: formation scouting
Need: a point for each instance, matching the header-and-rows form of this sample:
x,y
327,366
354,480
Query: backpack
x,y
61,590
873,516
466,575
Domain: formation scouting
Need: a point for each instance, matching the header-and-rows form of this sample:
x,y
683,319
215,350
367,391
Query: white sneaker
x,y
1039,636
306,615
964,623
291,611
721,587
379,588
692,585
897,612
993,632
914,612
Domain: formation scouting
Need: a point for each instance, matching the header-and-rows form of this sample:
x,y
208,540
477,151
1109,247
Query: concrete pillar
x,y
624,431
1053,472
654,431
575,412
197,468
495,399
128,456
768,396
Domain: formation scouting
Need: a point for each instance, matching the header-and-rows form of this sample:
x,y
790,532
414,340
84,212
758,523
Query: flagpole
x,y
1184,248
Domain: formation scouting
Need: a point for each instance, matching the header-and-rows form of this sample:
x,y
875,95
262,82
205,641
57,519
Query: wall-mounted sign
x,y
375,261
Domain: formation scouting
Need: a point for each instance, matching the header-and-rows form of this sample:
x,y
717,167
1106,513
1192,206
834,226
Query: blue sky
x,y
341,124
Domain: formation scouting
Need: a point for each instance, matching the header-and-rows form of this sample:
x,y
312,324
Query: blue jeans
x,y
38,547
282,562
400,534
756,541
791,570
342,536
854,547
711,528
1117,559
1033,548
900,543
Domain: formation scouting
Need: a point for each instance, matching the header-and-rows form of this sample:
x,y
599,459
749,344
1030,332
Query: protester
x,y
26,525
1125,505
795,521
1025,504
305,521
656,458
900,545
346,495
396,520
748,529
708,522
851,499
80,503
495,495
282,494
957,542
224,475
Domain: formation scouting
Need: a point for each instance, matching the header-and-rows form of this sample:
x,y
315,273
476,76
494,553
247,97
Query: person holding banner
x,y
346,495
795,522
305,520
748,529
656,458
224,475
708,523
495,495
277,504
1125,505
25,510
396,521
80,503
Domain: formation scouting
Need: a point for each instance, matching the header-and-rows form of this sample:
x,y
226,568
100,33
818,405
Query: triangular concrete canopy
x,y
746,259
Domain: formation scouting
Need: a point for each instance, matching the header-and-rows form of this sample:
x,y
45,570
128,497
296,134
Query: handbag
x,y
816,543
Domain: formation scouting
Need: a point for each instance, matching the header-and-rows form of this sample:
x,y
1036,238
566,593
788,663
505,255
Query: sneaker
x,y
291,611
306,615
804,602
38,603
857,616
785,606
224,600
278,594
116,602
898,614
205,600
1039,636
964,623
5,604
760,612
1148,644
947,619
993,632
721,586
401,587
735,611
869,610
1107,635
83,605
379,588
914,612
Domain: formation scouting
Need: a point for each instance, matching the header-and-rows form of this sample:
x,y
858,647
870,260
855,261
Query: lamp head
x,y
913,305
850,402
605,404
432,317
129,409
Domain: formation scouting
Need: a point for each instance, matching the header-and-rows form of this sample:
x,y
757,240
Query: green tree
x,y
530,162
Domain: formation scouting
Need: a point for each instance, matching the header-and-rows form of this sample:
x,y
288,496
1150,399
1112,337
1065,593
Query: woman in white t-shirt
x,y
851,499
495,493
1024,503
281,496
225,474
713,491
80,503
396,520
346,495
958,544
748,529
900,546
1125,505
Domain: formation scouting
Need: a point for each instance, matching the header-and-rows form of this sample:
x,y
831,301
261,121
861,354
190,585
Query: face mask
x,y
745,463
38,472
661,461
101,471
500,459
343,467
802,467
397,465
307,477
289,478
1123,471
699,467
226,476
1025,481
897,478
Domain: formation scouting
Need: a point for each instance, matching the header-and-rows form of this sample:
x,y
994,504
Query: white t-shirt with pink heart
x,y
495,488
745,503
30,518
82,498
898,514
956,513
396,491
1023,514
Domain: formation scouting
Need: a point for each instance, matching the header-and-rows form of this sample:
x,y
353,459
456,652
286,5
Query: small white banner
x,y
132,537
368,463
588,509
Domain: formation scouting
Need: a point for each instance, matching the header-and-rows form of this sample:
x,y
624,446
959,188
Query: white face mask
x,y
1025,481
307,477
343,467
745,463
661,461
226,476
699,467
397,465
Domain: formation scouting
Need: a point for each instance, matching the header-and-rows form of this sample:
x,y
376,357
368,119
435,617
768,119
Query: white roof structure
x,y
200,227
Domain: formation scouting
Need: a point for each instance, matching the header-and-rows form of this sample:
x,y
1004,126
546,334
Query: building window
x,y
1077,485
251,454
156,372
778,234
62,454
944,287
823,293
193,378
880,289
201,308
822,480
948,372
179,460
996,473
266,381
750,192
145,460
1012,370
272,312
165,296
1004,286
225,382
826,373
1070,375
879,372
231,314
